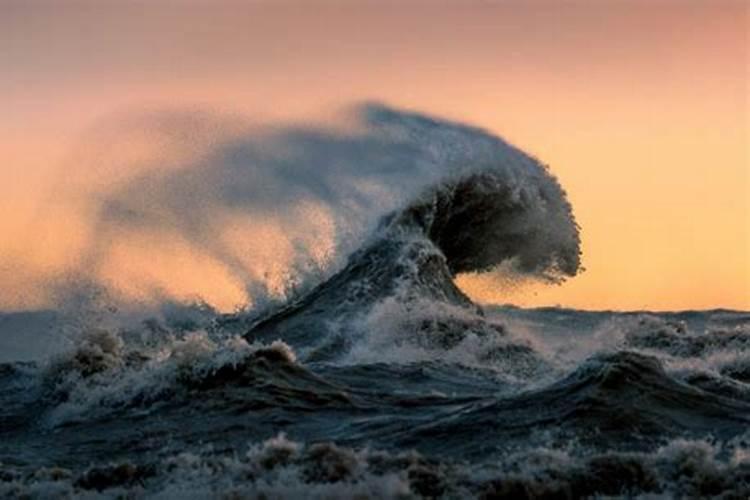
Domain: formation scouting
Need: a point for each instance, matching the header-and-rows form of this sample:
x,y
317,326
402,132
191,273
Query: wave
x,y
615,400
494,207
382,378
280,467
102,378
116,416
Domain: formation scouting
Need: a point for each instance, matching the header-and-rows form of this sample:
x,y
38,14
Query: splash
x,y
191,206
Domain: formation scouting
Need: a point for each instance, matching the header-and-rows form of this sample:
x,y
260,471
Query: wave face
x,y
384,380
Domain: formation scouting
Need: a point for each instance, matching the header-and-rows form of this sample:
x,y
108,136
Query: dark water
x,y
545,403
386,381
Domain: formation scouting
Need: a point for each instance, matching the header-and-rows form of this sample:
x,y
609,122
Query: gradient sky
x,y
639,107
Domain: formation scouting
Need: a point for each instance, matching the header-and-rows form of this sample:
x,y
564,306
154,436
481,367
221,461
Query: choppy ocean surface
x,y
384,380
548,403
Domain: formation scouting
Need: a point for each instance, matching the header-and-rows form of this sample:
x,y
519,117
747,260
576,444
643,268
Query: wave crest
x,y
481,221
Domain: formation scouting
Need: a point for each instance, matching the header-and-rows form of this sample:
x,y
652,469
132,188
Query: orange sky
x,y
639,107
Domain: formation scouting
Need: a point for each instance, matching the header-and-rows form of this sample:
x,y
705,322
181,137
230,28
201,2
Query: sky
x,y
640,108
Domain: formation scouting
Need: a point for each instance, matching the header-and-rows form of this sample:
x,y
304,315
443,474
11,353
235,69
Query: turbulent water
x,y
384,380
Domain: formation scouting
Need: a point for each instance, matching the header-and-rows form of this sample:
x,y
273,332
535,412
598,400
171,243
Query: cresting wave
x,y
494,206
383,379
282,208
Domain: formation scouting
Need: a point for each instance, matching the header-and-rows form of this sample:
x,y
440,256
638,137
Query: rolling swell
x,y
623,400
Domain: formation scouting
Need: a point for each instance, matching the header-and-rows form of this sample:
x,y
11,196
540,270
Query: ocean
x,y
381,378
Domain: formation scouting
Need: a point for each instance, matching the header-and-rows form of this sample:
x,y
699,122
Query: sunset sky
x,y
640,108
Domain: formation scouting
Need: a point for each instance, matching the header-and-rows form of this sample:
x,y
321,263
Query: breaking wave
x,y
495,207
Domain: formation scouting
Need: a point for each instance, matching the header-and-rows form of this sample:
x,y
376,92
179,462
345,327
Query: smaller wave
x,y
618,399
284,468
715,359
102,375
675,339
398,332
